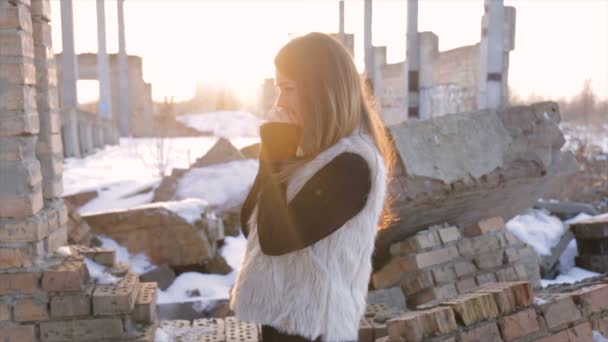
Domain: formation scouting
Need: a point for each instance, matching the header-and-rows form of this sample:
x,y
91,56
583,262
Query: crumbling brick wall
x,y
45,296
440,262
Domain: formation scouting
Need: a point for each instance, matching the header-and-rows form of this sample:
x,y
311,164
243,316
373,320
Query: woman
x,y
313,211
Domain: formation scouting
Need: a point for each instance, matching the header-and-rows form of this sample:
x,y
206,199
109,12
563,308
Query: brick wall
x,y
45,296
442,261
508,312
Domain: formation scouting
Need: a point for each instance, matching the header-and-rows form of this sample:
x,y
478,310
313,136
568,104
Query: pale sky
x,y
558,43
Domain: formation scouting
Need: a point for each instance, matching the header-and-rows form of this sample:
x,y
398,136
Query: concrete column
x,y
341,24
492,55
429,55
69,99
123,77
379,61
412,64
103,73
367,43
509,46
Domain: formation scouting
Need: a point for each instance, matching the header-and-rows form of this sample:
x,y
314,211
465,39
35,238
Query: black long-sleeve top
x,y
330,198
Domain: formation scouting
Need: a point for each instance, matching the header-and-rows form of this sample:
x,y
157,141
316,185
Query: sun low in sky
x,y
558,44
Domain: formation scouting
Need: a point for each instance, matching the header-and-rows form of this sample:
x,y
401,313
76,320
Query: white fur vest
x,y
319,290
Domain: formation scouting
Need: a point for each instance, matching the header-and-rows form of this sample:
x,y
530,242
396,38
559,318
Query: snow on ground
x,y
538,229
224,123
575,134
223,185
119,172
598,337
542,232
189,209
209,286
139,262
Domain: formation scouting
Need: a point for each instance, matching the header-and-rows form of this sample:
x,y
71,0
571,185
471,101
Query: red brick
x,y
145,305
18,283
601,325
471,308
449,234
102,256
559,309
416,326
30,309
485,278
593,299
422,241
494,224
444,273
435,257
80,330
417,282
487,332
366,332
116,298
464,268
506,274
580,333
465,285
23,255
72,304
561,336
15,17
519,325
429,295
380,329
490,260
509,296
389,275
18,333
68,276
5,311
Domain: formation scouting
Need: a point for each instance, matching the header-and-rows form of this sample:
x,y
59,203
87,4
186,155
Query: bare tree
x,y
157,155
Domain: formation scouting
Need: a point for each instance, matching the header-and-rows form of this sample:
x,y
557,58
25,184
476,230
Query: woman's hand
x,y
279,114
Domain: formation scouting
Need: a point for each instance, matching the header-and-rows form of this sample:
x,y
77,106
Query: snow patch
x,y
139,262
598,337
538,229
190,209
206,286
222,185
99,274
226,124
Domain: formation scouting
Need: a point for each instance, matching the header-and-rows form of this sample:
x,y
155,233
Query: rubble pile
x,y
508,312
592,243
442,262
462,168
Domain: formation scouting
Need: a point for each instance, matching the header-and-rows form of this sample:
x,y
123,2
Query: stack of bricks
x,y
79,231
58,301
508,312
592,242
45,296
440,262
227,329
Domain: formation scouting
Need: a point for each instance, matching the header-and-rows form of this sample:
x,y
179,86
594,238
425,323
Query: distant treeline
x,y
206,99
586,107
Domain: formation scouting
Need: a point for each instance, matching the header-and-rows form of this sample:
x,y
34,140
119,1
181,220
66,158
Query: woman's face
x,y
287,99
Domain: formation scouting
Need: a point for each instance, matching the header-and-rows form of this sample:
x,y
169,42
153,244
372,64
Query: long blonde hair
x,y
333,100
